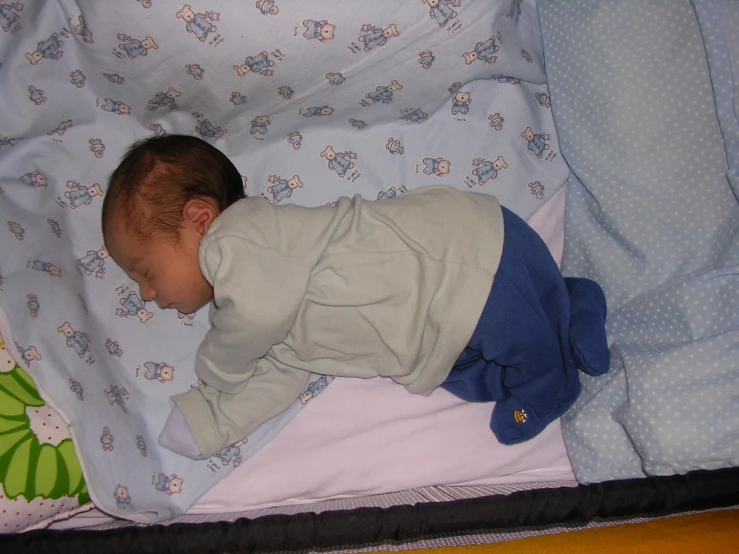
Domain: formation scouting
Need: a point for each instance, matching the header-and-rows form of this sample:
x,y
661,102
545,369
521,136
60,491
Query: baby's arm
x,y
257,296
204,420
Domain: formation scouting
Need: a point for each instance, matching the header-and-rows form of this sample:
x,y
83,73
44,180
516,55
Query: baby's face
x,y
166,270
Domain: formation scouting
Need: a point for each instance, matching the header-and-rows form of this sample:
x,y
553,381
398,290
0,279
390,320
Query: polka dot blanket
x,y
645,100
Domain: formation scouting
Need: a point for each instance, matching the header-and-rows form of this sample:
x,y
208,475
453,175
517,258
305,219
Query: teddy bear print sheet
x,y
323,460
311,102
300,469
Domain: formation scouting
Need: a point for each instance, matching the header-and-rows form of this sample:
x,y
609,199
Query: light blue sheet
x,y
450,94
651,215
719,24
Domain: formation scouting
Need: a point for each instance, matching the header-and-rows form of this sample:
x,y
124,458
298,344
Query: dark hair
x,y
158,175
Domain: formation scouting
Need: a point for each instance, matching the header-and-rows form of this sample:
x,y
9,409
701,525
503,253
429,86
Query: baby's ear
x,y
199,213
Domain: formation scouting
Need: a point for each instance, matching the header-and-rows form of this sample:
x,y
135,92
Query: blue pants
x,y
536,329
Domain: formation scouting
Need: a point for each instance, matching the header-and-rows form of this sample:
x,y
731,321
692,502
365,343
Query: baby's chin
x,y
191,308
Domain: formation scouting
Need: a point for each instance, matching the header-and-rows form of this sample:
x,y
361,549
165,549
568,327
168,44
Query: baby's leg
x,y
475,378
528,338
521,354
587,326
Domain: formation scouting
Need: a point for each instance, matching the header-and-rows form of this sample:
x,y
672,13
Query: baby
x,y
436,287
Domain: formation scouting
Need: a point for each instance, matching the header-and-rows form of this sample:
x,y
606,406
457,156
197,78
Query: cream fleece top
x,y
390,288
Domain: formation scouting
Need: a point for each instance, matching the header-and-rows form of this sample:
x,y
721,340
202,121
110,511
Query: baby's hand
x,y
176,436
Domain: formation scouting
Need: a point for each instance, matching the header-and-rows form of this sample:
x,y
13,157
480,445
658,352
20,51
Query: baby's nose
x,y
147,294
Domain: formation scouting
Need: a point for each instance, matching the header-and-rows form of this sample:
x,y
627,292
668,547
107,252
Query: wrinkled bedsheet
x,y
645,98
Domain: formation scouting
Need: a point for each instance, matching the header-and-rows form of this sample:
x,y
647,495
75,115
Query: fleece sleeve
x,y
257,296
217,419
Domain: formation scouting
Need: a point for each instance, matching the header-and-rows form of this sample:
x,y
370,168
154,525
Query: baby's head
x,y
160,202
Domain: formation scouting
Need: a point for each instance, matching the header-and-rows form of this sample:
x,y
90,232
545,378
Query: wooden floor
x,y
712,532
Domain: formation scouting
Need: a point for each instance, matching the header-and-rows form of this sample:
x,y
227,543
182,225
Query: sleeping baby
x,y
433,288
